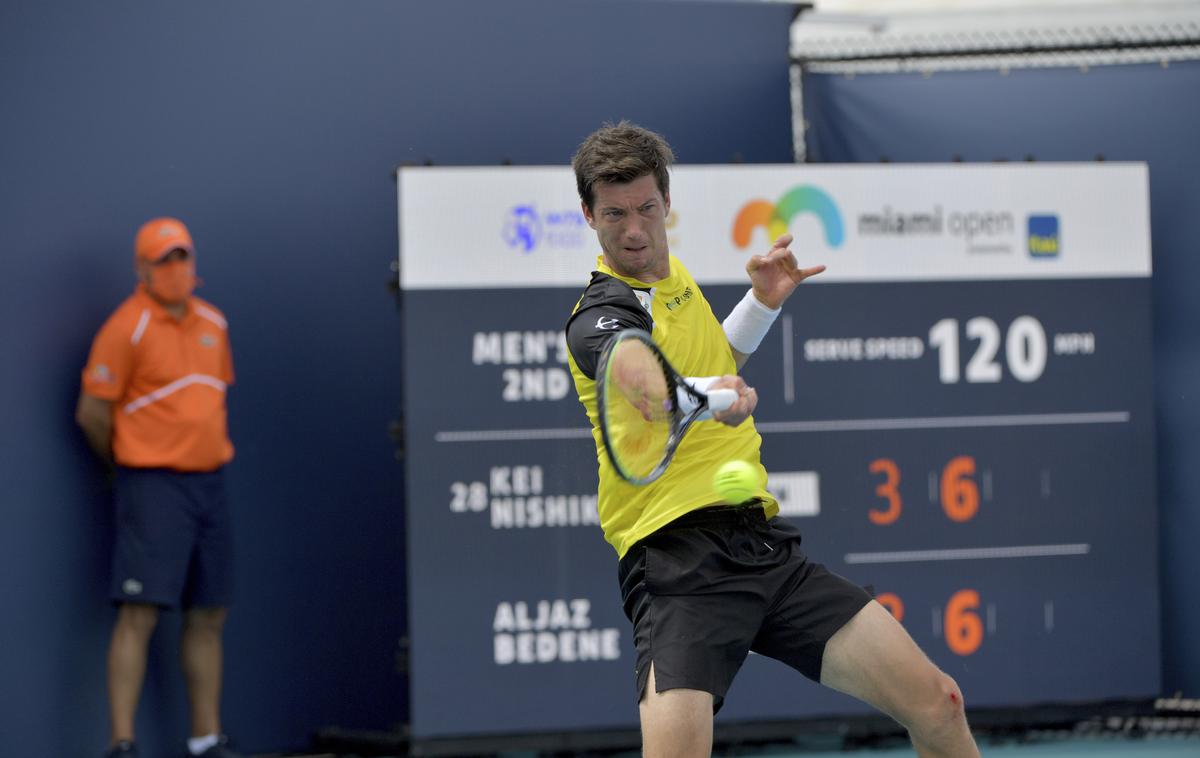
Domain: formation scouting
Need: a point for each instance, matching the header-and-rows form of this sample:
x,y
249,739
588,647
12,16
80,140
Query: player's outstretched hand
x,y
741,409
775,275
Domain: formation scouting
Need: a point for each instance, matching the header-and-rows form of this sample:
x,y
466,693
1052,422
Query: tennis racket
x,y
646,407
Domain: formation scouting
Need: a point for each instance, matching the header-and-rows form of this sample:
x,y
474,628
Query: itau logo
x,y
1044,236
777,217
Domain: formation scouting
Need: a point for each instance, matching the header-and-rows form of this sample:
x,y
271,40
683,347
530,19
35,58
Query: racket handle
x,y
719,400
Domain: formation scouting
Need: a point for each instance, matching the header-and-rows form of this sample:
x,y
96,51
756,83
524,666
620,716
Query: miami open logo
x,y
777,217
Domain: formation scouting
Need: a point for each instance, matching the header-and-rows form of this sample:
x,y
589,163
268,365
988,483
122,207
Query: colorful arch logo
x,y
778,217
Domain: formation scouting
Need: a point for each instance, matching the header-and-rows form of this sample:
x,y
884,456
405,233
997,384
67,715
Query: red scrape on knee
x,y
953,698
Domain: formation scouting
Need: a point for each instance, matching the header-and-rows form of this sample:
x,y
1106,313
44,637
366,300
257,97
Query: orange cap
x,y
160,236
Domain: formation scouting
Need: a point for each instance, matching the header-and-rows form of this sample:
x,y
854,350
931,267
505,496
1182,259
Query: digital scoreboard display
x,y
958,414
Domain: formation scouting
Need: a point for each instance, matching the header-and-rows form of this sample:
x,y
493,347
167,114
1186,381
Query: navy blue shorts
x,y
717,583
174,545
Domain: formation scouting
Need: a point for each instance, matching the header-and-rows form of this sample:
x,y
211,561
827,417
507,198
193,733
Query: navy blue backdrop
x,y
1123,113
272,129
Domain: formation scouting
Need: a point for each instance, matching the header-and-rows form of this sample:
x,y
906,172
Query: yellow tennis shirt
x,y
691,337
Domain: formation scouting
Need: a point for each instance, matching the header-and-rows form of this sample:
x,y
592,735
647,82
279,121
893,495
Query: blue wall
x,y
272,129
1124,113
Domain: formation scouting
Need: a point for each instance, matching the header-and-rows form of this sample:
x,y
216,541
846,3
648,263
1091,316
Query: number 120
x,y
1024,349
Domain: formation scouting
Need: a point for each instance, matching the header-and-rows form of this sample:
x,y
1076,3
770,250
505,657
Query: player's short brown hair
x,y
621,153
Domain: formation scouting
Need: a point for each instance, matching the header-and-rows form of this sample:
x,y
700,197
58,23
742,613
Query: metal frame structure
x,y
1059,36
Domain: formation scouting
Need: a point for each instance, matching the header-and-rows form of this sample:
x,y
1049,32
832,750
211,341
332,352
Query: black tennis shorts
x,y
711,586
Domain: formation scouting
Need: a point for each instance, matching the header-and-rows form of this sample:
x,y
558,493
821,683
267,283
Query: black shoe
x,y
123,749
219,750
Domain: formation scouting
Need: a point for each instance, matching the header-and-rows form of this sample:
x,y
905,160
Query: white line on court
x,y
832,425
969,553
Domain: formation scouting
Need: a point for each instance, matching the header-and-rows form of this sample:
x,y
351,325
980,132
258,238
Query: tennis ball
x,y
736,482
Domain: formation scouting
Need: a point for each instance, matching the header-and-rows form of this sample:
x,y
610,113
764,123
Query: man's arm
x,y
773,278
739,359
94,416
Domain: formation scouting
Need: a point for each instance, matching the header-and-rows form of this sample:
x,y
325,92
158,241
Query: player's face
x,y
630,220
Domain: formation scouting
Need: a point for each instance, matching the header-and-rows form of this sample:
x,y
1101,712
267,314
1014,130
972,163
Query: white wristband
x,y
748,323
687,403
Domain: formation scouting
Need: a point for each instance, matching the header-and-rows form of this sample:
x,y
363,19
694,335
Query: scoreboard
x,y
958,414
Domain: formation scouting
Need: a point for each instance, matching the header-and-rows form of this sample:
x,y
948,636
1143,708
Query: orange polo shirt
x,y
166,380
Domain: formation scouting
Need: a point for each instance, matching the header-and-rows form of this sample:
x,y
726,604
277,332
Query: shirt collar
x,y
665,283
157,310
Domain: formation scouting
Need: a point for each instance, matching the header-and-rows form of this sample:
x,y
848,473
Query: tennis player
x,y
706,582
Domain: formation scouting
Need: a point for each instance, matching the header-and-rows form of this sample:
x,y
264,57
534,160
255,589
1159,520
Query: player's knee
x,y
951,696
938,706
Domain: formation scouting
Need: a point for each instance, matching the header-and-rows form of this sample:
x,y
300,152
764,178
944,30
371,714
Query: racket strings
x,y
639,408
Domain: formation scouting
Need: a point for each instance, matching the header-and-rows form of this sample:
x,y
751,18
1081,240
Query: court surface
x,y
1101,747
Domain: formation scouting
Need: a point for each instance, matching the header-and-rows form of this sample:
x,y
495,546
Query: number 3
x,y
886,490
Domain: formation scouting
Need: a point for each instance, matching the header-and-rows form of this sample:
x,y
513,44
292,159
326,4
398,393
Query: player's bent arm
x,y
746,326
94,416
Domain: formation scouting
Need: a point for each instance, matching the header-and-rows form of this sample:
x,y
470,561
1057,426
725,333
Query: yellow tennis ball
x,y
736,482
